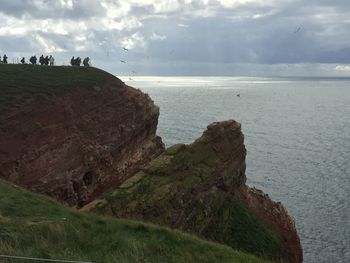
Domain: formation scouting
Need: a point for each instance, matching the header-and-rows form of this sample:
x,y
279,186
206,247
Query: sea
x,y
297,135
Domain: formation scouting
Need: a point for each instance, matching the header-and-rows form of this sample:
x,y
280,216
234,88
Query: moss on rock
x,y
196,188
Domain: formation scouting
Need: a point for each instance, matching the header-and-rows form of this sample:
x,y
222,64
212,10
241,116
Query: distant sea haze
x,y
297,134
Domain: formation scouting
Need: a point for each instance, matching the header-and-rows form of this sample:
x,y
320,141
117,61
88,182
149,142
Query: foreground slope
x,y
72,132
200,188
32,225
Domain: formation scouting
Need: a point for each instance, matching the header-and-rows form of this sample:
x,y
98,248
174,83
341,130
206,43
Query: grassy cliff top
x,y
32,225
35,78
22,85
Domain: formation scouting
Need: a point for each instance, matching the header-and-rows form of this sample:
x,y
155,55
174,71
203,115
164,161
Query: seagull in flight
x,y
123,61
125,49
298,29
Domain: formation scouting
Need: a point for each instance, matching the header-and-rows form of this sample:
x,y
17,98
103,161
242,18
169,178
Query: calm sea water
x,y
297,134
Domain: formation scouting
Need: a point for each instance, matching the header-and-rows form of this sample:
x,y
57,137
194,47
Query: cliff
x,y
200,188
77,133
71,132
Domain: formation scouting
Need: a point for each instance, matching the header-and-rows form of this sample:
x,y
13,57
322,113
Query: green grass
x,y
35,226
34,78
244,231
23,84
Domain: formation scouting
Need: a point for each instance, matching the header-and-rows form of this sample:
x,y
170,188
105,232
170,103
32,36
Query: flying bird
x,y
125,49
298,29
123,61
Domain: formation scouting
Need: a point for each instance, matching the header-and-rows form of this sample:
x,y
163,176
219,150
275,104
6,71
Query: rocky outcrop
x,y
200,188
83,133
277,217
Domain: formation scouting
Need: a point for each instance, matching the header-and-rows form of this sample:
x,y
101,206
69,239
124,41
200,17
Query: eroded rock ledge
x,y
200,188
82,134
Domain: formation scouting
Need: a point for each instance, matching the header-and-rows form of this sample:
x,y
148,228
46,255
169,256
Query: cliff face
x,y
74,138
200,188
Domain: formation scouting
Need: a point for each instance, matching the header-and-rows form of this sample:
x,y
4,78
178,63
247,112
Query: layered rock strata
x,y
77,143
200,188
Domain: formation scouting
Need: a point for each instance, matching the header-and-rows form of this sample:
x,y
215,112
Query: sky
x,y
184,37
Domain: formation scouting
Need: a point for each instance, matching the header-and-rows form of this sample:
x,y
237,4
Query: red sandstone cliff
x,y
76,144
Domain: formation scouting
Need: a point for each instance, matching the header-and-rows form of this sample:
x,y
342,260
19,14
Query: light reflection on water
x,y
297,134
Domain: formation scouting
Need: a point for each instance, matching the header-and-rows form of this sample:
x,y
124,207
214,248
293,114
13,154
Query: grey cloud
x,y
271,39
17,8
81,9
85,9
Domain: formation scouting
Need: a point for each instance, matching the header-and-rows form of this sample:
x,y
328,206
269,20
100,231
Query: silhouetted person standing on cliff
x,y
78,61
51,60
33,60
72,61
23,60
46,60
86,62
5,59
41,60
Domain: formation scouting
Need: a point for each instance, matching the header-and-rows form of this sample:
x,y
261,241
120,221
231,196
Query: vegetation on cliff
x,y
198,188
32,225
20,83
48,79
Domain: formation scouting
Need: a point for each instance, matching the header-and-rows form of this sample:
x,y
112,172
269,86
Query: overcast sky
x,y
184,37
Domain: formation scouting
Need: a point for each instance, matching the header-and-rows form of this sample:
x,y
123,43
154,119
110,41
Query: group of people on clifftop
x,y
77,61
47,61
